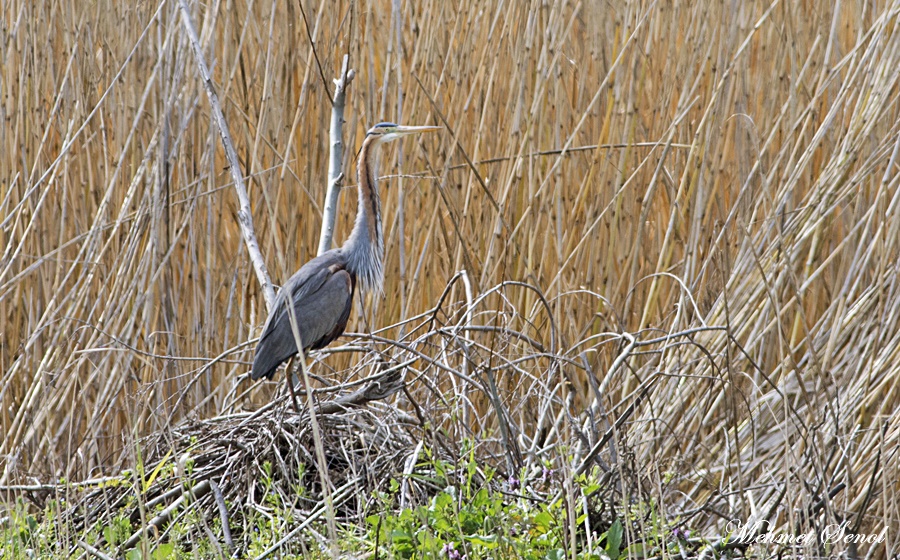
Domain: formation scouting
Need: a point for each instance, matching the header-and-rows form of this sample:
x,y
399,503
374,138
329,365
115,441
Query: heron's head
x,y
386,131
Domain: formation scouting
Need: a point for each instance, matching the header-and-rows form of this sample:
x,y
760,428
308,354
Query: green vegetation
x,y
472,515
471,518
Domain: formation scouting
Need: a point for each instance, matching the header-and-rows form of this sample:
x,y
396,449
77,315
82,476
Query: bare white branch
x,y
245,217
335,157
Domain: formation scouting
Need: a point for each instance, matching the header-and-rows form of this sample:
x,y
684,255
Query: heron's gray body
x,y
321,287
320,294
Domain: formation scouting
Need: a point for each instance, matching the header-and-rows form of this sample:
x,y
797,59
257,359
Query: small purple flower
x,y
546,474
679,533
513,482
451,552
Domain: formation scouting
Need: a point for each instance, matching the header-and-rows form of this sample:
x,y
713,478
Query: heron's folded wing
x,y
320,295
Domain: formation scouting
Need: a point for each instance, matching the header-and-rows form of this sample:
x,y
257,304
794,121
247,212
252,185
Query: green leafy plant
x,y
472,517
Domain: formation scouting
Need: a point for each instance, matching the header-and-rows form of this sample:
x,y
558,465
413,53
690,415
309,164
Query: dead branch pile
x,y
261,463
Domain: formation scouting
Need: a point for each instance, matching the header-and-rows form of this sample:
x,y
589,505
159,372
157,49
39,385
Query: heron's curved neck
x,y
364,248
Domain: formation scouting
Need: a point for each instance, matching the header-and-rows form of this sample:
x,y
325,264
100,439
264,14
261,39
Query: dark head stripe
x,y
382,125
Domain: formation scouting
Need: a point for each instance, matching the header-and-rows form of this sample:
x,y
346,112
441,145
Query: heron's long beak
x,y
404,130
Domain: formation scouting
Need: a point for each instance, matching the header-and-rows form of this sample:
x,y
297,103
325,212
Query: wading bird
x,y
315,302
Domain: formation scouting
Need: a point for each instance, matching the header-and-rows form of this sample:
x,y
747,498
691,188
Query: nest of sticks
x,y
274,462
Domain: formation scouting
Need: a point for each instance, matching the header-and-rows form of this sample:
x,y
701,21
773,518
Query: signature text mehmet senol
x,y
758,533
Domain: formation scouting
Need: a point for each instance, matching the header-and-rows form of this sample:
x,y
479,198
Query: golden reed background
x,y
649,166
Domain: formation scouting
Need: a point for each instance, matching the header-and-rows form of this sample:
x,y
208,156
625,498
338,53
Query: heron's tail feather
x,y
267,371
269,355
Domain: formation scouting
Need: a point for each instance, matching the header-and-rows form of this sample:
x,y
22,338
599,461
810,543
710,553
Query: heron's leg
x,y
289,379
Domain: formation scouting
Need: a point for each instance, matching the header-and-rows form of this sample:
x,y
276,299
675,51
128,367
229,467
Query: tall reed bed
x,y
702,197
